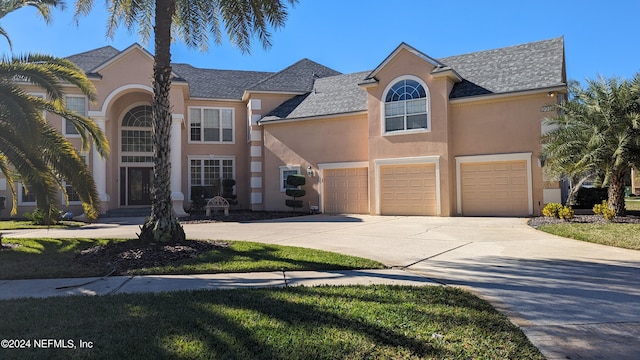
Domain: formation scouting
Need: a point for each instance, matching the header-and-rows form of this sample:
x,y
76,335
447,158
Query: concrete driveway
x,y
574,300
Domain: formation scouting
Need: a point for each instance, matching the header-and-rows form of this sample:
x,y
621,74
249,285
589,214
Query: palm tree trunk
x,y
616,192
162,225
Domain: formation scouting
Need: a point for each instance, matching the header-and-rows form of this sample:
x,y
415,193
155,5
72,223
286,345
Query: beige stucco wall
x,y
418,144
309,143
502,126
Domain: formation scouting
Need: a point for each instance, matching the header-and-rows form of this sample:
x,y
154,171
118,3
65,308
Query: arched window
x,y
137,144
406,107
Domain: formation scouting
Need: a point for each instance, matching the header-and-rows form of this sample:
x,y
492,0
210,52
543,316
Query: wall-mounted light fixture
x,y
309,171
551,94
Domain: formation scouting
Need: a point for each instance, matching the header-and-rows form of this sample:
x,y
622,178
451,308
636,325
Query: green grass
x,y
16,224
354,322
54,258
250,257
613,234
632,203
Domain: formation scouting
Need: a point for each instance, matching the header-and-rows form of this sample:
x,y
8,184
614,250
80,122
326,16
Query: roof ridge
x,y
94,50
504,47
273,75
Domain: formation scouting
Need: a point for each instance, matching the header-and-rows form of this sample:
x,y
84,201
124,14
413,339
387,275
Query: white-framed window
x,y
43,97
406,106
286,171
211,125
24,197
208,172
136,142
78,104
72,195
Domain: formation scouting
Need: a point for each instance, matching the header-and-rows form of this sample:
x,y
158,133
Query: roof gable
x,y
133,49
297,78
403,46
91,59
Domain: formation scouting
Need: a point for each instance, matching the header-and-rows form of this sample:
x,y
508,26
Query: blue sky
x,y
356,35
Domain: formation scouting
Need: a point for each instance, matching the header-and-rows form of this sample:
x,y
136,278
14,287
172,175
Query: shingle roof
x,y
90,60
529,66
203,83
331,96
217,84
325,91
297,78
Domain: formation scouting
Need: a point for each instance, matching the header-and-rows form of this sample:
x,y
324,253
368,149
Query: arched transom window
x,y
406,107
137,145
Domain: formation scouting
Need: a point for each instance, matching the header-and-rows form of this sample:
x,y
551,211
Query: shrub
x,y
558,211
565,213
37,217
199,194
598,208
604,210
609,213
551,210
295,180
227,191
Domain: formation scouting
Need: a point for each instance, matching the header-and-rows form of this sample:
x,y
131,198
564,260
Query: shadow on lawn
x,y
291,323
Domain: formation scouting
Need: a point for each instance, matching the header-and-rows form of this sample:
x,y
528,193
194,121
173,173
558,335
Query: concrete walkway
x,y
15,289
574,300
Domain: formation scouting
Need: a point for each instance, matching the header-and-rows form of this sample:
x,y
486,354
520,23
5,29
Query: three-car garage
x,y
487,185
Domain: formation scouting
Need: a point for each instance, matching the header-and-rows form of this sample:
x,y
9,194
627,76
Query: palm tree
x,y
30,148
193,22
43,6
597,134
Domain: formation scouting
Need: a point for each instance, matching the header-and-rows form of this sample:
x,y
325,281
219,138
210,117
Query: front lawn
x,y
353,322
25,224
612,234
60,258
632,203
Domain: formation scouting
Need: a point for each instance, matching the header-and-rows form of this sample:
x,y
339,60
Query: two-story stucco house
x,y
414,136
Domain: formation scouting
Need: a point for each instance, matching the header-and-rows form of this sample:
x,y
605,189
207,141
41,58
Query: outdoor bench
x,y
217,202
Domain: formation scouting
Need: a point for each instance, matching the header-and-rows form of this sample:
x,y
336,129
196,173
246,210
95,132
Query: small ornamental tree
x,y
227,191
295,180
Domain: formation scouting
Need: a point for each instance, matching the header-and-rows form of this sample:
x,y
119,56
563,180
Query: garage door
x,y
495,189
346,191
408,190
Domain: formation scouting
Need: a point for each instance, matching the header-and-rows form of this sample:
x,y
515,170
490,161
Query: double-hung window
x,y
208,173
285,171
211,125
24,197
77,104
406,107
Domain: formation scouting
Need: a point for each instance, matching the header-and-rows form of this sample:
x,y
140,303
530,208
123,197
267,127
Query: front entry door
x,y
139,186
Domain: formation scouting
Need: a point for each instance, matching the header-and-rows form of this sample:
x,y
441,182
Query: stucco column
x,y
177,197
100,168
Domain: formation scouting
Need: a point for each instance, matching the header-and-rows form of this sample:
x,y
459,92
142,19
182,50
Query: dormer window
x,y
406,107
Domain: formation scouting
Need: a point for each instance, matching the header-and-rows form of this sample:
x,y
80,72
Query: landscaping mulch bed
x,y
123,257
239,216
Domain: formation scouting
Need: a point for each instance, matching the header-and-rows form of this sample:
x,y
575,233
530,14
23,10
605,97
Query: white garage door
x,y
494,188
346,191
408,190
